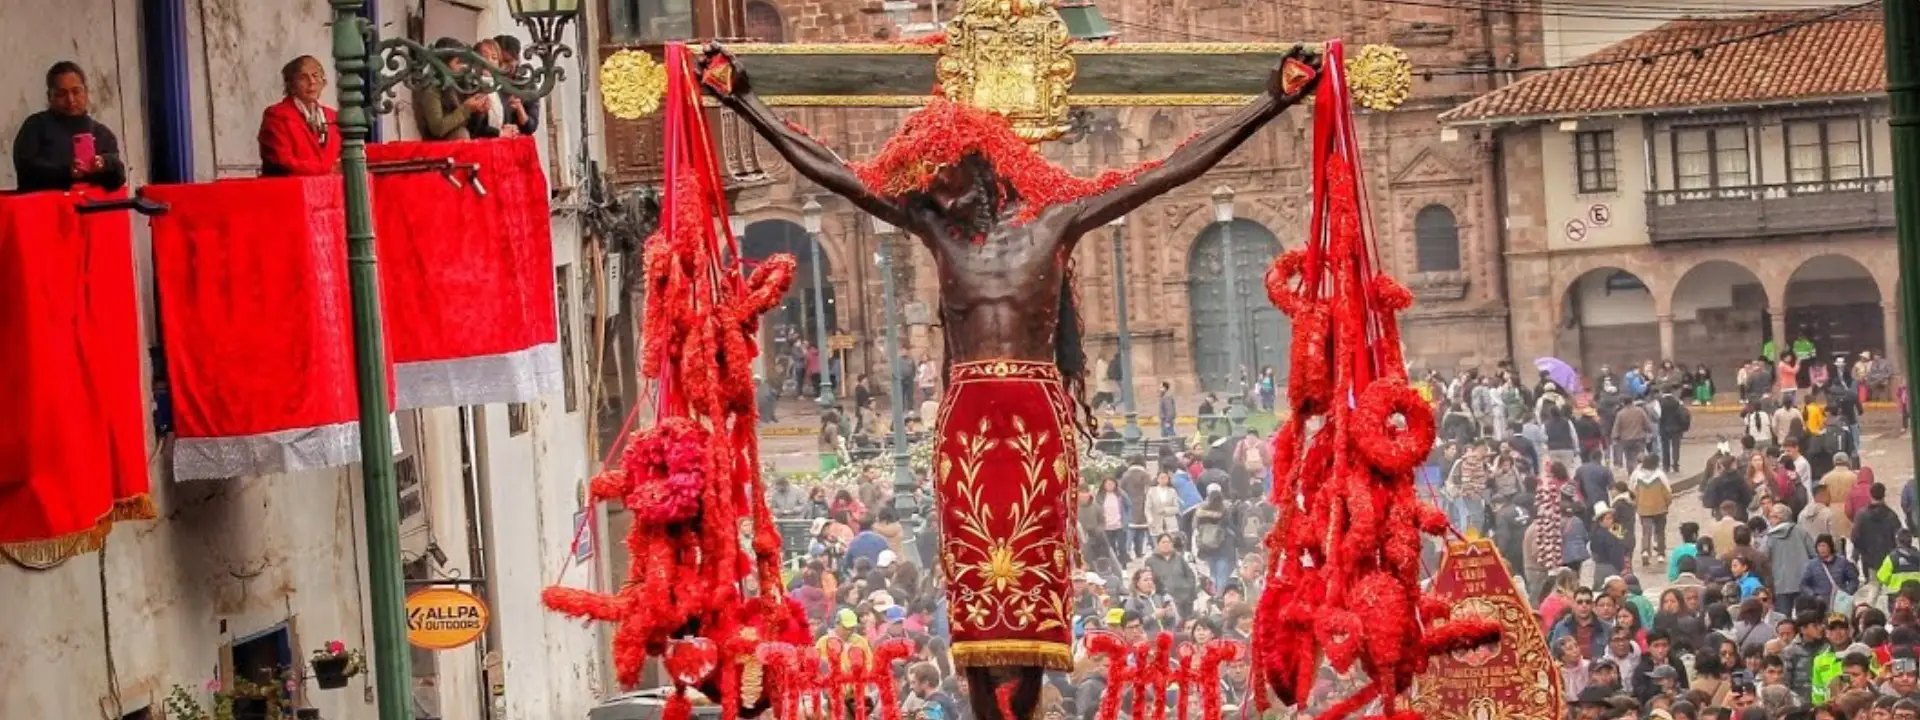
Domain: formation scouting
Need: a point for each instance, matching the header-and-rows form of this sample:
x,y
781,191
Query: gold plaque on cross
x,y
1010,57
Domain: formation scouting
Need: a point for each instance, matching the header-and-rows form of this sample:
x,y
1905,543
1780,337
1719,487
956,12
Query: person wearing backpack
x,y
1214,540
1675,420
1652,496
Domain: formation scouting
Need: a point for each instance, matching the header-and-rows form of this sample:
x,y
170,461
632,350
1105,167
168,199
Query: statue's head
x,y
967,191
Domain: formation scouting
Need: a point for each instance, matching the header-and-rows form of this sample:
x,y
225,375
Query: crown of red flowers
x,y
945,132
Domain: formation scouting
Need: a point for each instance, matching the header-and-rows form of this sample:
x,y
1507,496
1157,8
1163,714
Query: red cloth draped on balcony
x,y
255,316
467,274
73,459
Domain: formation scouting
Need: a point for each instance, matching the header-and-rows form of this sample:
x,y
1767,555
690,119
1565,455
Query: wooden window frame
x,y
1820,123
1713,153
1606,175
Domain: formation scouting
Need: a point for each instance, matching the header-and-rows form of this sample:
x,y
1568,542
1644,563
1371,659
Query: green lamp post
x,y
905,488
1130,434
356,44
1903,87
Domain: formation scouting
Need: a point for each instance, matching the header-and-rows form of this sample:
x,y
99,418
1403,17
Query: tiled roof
x,y
1796,55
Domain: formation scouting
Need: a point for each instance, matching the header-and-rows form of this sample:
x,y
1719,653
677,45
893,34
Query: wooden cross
x,y
1013,57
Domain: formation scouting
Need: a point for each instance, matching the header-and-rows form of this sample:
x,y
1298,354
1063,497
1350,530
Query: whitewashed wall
x,y
233,557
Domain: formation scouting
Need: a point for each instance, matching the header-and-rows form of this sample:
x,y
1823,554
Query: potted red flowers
x,y
333,664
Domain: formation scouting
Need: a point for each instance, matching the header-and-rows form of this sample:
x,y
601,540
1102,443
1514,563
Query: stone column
x,y
1780,339
1890,322
1666,335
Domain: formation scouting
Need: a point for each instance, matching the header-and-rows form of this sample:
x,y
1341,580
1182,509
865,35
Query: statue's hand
x,y
1287,86
737,86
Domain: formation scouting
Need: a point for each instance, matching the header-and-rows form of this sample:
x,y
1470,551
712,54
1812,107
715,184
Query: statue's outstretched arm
x,y
1197,156
810,158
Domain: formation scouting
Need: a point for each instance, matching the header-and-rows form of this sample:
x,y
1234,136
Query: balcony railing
x,y
1756,211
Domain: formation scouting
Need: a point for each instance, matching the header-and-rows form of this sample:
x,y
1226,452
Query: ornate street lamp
x,y
1223,214
810,219
905,503
419,66
1130,433
355,39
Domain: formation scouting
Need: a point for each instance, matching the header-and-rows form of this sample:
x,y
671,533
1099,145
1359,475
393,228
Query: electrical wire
x,y
1695,51
1598,10
1786,27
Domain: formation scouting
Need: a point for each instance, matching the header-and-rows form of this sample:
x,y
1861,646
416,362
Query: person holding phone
x,y
63,145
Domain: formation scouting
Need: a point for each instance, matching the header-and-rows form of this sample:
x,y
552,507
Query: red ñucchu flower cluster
x,y
1343,560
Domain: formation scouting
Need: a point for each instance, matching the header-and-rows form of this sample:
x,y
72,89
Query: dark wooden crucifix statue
x,y
1010,422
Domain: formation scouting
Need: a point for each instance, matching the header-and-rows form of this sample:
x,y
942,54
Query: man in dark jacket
x,y
1798,655
1595,479
1583,625
1873,530
1632,428
1658,653
1674,422
1134,483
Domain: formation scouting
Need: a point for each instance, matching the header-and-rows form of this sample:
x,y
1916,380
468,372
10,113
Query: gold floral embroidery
x,y
1009,592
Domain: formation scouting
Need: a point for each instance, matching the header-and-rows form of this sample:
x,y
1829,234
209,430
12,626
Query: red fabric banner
x,y
257,323
1006,470
75,457
467,273
1515,678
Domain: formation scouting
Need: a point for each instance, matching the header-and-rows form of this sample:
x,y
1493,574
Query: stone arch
x,y
1719,311
763,22
1607,316
1219,319
763,238
1436,240
1835,301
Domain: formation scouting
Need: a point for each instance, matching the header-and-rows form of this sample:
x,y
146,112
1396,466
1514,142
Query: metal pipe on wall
x,y
169,99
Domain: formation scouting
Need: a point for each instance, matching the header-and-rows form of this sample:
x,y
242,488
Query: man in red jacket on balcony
x,y
298,135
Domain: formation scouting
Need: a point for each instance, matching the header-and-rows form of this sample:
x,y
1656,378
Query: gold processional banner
x,y
1513,680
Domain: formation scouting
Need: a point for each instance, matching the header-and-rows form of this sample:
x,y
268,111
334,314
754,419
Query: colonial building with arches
x,y
1694,206
1434,202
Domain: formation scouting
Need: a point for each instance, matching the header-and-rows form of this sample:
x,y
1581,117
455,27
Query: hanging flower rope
x,y
1344,557
692,479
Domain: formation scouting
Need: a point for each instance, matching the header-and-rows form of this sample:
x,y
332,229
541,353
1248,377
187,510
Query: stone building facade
x,y
1177,306
1694,207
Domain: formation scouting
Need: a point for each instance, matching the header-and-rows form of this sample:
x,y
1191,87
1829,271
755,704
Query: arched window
x,y
764,23
1436,240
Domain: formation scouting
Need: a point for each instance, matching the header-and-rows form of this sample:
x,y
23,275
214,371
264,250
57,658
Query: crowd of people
x,y
1171,543
1791,601
1795,600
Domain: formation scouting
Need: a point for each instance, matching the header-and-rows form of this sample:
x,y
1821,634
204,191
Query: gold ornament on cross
x,y
632,84
1380,77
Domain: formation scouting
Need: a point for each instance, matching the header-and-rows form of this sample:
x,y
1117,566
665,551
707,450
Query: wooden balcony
x,y
633,149
1761,211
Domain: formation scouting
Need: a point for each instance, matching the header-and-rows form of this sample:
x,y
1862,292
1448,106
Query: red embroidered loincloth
x,y
1006,470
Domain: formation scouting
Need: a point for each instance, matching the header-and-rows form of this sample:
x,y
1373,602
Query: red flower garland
x,y
1152,668
945,132
665,468
1343,561
1391,449
694,477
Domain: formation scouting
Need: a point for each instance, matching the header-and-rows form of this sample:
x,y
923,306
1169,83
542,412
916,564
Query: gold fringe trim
x,y
49,553
1004,653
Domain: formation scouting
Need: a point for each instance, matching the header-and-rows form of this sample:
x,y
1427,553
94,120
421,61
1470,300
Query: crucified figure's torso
x,y
1000,279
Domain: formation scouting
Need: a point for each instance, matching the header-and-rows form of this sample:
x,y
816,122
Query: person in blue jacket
x,y
1828,572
